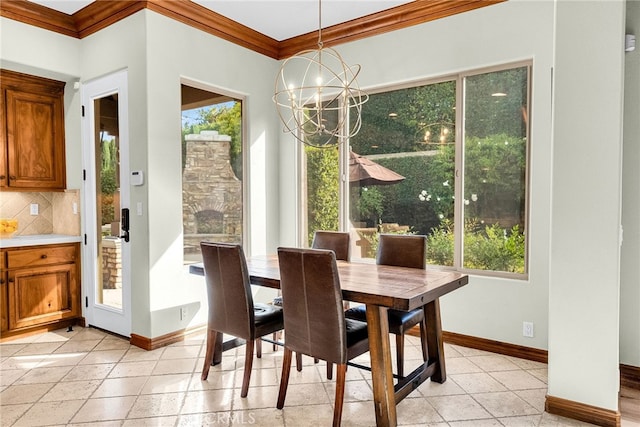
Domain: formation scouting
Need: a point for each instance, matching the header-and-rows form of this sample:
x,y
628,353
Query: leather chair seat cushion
x,y
398,319
267,313
356,331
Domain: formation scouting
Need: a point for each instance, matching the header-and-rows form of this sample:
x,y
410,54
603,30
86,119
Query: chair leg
x,y
400,354
423,339
299,362
258,348
248,363
329,370
284,380
340,383
275,338
208,357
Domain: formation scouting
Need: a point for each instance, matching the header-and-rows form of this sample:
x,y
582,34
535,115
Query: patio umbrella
x,y
366,172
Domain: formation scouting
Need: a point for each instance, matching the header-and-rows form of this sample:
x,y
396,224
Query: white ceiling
x,y
278,19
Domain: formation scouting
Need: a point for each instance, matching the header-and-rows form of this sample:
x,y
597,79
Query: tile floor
x,y
88,377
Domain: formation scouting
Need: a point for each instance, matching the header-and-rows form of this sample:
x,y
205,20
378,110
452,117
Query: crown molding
x,y
102,13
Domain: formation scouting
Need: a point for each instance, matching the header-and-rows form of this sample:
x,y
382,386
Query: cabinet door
x,y
4,294
41,295
4,178
35,140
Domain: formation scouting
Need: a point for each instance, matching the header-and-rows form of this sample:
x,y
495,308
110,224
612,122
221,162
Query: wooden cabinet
x,y
4,294
32,149
42,286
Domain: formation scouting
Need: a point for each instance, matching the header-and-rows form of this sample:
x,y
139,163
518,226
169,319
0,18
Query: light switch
x,y
34,209
75,208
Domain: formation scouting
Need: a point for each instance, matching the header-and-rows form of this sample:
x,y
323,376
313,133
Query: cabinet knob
x,y
12,177
3,176
43,256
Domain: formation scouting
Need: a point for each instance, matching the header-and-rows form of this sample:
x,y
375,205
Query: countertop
x,y
38,239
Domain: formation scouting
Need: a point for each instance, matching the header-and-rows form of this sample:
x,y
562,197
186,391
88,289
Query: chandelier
x,y
317,95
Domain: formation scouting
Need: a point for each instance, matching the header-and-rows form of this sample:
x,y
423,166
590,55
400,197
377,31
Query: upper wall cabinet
x,y
32,148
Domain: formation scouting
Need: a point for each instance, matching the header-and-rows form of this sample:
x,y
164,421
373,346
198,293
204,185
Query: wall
x,y
511,31
176,52
629,266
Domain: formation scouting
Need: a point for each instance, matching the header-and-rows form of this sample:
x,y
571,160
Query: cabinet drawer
x,y
36,256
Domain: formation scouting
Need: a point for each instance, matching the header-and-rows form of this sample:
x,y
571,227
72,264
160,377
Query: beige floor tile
x,y
135,354
476,423
477,383
493,363
541,374
116,423
518,380
157,405
89,372
38,348
417,410
458,408
358,414
461,365
215,380
24,393
258,397
448,388
106,356
527,364
9,414
354,391
126,386
309,374
208,401
10,349
183,352
167,384
89,334
49,413
104,409
21,362
152,422
504,404
550,420
535,397
56,336
44,375
259,377
113,344
308,416
9,376
132,369
526,421
267,417
174,366
75,346
61,359
306,394
71,391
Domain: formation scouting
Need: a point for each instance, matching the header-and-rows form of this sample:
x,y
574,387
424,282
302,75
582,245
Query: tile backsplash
x,y
55,212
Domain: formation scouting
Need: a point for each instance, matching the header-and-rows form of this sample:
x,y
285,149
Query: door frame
x,y
99,315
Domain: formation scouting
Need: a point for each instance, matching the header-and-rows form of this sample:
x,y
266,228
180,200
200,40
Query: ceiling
x,y
277,19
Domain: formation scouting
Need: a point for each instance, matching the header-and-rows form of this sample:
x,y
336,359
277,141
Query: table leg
x,y
382,376
435,344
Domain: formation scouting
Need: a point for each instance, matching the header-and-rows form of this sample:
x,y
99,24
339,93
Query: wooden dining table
x,y
381,287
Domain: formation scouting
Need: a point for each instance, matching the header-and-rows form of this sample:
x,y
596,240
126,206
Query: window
x,y
212,176
402,171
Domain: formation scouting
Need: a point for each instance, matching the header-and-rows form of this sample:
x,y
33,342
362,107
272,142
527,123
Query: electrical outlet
x,y
183,313
527,329
34,209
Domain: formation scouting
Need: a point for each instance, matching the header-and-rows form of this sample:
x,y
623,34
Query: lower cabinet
x,y
41,286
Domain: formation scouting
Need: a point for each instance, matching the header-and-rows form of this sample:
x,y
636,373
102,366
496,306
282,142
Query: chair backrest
x,y
312,303
228,289
402,250
337,241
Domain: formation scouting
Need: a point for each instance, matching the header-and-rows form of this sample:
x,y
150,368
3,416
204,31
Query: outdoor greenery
x,y
224,118
108,178
412,132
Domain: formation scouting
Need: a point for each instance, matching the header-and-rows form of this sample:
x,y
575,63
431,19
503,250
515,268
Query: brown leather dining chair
x,y
314,317
338,242
231,307
400,250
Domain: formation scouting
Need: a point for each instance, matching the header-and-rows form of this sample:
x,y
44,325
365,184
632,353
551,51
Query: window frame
x,y
460,81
